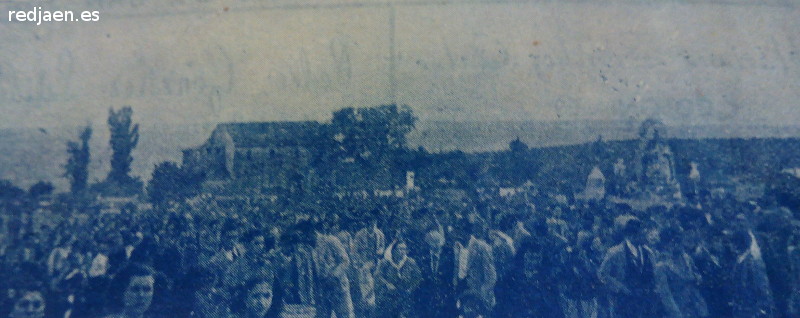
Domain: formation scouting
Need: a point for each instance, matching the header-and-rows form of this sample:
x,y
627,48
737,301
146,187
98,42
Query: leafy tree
x,y
41,188
365,144
517,146
77,167
370,134
11,198
172,183
515,166
8,191
599,151
124,138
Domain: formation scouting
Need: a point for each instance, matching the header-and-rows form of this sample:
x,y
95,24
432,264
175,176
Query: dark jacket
x,y
630,280
750,288
533,281
436,295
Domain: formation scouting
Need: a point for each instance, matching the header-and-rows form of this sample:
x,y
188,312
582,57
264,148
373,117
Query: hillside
x,y
29,155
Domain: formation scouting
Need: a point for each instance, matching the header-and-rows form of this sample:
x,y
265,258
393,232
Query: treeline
x,y
367,149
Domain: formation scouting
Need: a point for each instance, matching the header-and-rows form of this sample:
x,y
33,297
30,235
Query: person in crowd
x,y
677,278
66,289
503,251
57,259
361,287
369,242
749,285
397,278
514,227
471,305
131,292
331,263
117,256
100,266
29,303
187,246
259,297
461,239
167,257
532,280
436,295
713,258
581,284
230,251
28,250
99,277
480,273
59,263
566,268
339,227
368,247
793,252
773,232
556,225
628,272
20,288
148,251
208,300
254,262
300,241
414,232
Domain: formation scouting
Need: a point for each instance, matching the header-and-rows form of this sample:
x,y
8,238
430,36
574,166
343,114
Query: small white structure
x,y
694,174
507,192
595,186
410,186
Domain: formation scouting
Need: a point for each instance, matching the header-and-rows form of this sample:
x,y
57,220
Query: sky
x,y
198,61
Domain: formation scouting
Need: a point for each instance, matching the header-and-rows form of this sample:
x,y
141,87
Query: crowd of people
x,y
716,258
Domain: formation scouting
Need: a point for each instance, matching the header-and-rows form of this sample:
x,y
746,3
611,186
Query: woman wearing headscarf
x,y
396,280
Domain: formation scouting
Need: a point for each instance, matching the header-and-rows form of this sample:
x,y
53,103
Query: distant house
x,y
116,205
792,171
274,153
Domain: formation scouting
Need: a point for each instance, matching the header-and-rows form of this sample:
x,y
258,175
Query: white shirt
x,y
56,258
463,258
99,265
637,252
128,251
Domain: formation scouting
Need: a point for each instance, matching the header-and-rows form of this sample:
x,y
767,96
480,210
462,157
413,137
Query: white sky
x,y
188,61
